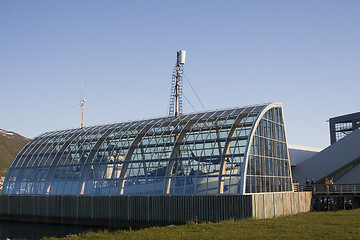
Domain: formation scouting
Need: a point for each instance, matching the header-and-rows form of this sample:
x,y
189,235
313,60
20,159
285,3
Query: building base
x,y
144,211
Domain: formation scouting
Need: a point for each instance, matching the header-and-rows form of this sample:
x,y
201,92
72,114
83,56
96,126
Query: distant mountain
x,y
10,144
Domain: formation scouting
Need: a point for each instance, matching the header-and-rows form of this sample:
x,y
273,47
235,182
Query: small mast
x,y
82,105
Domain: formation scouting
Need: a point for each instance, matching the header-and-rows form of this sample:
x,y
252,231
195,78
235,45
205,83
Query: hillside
x,y
10,144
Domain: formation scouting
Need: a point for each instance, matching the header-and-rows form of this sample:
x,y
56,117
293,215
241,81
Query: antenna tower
x,y
176,86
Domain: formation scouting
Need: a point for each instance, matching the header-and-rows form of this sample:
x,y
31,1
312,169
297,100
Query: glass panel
x,y
269,157
186,156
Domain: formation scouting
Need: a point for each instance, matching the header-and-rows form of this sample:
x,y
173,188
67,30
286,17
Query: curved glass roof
x,y
232,151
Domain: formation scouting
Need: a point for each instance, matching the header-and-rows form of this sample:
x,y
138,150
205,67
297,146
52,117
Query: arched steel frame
x,y
250,142
51,160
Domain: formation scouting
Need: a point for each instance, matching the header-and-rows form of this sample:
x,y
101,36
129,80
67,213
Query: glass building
x,y
232,151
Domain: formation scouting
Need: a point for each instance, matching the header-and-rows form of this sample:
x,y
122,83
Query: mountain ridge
x,y
10,144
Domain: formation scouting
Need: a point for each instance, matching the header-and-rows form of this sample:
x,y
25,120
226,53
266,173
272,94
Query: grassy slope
x,y
9,147
314,225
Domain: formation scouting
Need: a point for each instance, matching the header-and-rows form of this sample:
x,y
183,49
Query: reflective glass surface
x,y
268,167
198,153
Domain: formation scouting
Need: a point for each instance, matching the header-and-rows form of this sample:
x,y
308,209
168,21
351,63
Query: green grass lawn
x,y
313,225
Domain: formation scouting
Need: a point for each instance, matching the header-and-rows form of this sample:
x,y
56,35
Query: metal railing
x,y
333,189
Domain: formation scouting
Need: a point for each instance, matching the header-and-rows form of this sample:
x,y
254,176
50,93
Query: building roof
x,y
232,151
346,117
336,161
299,154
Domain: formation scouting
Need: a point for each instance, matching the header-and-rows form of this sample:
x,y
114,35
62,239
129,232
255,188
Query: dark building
x,y
342,126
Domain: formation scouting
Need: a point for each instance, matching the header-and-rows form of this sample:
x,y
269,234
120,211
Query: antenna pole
x,y
82,105
178,77
176,109
82,114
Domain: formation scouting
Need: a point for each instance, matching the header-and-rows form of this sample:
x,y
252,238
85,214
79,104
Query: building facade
x,y
232,151
342,126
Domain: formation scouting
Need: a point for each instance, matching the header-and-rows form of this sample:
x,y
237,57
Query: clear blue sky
x,y
305,54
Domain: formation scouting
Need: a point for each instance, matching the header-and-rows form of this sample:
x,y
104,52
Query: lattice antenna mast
x,y
176,86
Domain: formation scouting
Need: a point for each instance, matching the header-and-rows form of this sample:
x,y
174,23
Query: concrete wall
x,y
141,211
270,205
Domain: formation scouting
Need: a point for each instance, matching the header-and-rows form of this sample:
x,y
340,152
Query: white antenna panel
x,y
182,57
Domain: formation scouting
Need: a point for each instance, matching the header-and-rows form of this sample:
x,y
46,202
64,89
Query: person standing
x,y
327,184
312,184
307,182
331,184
